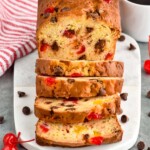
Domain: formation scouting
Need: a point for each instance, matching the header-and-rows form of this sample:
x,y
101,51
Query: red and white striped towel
x,y
17,30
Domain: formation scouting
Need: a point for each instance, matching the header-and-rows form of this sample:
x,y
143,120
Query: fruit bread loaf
x,y
54,67
95,132
78,29
76,110
77,87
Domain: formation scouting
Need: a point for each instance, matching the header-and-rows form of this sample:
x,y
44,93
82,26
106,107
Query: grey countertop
x,y
6,103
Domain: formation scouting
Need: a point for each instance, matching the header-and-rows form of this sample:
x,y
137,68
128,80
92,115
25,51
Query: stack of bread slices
x,y
78,82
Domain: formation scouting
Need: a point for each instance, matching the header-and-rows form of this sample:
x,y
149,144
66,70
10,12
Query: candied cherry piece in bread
x,y
147,66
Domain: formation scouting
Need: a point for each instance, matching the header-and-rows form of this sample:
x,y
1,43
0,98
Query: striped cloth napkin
x,y
17,30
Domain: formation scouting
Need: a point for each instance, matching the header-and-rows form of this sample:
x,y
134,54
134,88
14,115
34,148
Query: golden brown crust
x,y
58,111
109,12
115,135
77,87
53,67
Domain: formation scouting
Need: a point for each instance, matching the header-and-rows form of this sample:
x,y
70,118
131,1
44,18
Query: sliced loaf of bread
x,y
54,67
95,132
77,87
76,110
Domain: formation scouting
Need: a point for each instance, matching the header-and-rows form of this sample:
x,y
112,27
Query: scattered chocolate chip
x,y
58,71
86,137
102,92
148,94
56,9
100,45
41,14
124,118
26,110
149,114
46,15
86,120
48,102
69,105
71,80
51,112
54,46
67,130
148,148
140,145
122,38
131,47
65,9
83,57
53,19
54,107
21,94
89,29
1,119
71,109
124,96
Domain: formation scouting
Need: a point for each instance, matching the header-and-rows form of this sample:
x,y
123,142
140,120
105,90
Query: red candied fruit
x,y
44,128
94,116
44,47
108,1
49,10
97,140
147,66
76,74
82,50
69,33
50,81
108,56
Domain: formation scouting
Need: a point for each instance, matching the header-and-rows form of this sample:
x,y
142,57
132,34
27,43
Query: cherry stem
x,y
25,141
18,135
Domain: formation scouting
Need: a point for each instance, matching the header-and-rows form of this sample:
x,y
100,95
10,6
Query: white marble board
x,y
24,80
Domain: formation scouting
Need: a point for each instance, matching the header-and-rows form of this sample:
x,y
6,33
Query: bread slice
x,y
76,110
54,67
75,29
94,132
77,87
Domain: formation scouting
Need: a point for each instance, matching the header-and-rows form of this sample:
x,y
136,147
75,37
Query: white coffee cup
x,y
135,20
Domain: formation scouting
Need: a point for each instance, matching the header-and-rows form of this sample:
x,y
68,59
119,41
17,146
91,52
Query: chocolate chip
x,y
89,29
26,110
1,119
54,107
100,45
148,94
148,148
83,57
140,145
124,118
58,71
51,112
53,19
122,38
65,9
46,15
54,46
48,102
71,80
149,114
86,120
56,9
67,130
102,92
21,94
71,109
131,47
69,105
86,137
124,96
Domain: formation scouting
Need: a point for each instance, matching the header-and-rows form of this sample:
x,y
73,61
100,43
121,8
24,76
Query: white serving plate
x,y
24,80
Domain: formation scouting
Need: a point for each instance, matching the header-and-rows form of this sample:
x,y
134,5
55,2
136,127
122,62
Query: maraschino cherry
x,y
11,141
147,62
